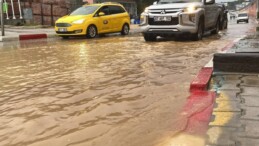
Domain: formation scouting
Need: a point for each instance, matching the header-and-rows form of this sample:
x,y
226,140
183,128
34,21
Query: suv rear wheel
x,y
149,37
216,30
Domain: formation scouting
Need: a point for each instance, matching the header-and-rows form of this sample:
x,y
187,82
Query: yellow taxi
x,y
94,19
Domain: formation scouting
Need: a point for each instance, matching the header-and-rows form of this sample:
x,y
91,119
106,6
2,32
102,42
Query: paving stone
x,y
226,78
250,91
248,142
220,136
250,81
251,129
232,77
251,113
247,46
224,95
229,86
225,119
250,101
227,106
238,127
214,84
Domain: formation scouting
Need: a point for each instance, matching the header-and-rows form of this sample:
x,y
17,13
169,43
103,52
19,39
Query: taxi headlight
x,y
80,21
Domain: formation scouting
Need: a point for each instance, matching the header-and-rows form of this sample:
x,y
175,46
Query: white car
x,y
242,17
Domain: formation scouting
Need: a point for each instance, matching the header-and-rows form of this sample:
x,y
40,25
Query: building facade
x,y
46,12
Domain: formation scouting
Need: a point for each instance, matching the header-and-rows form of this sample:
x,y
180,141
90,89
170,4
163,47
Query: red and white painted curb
x,y
200,103
22,37
32,36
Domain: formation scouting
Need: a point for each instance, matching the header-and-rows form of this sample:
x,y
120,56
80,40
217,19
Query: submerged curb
x,y
32,36
22,37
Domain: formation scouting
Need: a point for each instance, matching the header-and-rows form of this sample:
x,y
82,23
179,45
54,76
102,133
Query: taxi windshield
x,y
177,1
85,10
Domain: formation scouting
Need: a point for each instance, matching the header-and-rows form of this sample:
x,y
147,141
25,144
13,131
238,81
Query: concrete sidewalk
x,y
16,33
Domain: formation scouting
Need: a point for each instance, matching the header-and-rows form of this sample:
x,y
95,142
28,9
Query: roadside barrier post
x,y
257,9
5,7
19,5
2,17
13,9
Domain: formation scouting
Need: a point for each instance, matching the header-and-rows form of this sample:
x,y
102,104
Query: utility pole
x,y
257,9
2,17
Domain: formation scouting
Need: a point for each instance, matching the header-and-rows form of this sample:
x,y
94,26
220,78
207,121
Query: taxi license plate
x,y
163,18
62,29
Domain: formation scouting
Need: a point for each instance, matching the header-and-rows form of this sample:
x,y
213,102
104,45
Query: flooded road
x,y
109,91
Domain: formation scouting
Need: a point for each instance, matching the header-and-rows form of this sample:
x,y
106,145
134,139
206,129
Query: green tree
x,y
142,4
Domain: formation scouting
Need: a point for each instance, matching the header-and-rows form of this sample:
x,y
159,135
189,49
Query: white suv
x,y
242,17
181,17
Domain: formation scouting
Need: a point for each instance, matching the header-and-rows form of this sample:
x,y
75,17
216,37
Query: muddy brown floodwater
x,y
109,91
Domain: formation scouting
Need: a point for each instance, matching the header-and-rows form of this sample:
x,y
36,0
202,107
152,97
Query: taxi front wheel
x,y
91,31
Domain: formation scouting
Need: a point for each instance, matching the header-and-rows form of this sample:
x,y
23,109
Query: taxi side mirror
x,y
101,14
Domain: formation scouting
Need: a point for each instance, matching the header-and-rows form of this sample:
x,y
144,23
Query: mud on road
x,y
112,91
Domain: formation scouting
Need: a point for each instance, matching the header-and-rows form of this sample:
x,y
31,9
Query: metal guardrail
x,y
6,4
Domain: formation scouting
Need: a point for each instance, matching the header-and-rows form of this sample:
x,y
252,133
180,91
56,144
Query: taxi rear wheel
x,y
91,31
125,29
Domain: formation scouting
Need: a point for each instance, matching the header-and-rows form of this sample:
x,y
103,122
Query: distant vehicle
x,y
94,19
242,17
181,17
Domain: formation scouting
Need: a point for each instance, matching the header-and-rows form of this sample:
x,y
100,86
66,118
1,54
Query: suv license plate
x,y
162,18
62,29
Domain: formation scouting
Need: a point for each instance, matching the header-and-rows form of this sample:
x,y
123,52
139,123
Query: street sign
x,y
27,14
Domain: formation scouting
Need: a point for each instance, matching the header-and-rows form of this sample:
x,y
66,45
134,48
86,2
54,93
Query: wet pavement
x,y
110,91
235,115
247,45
